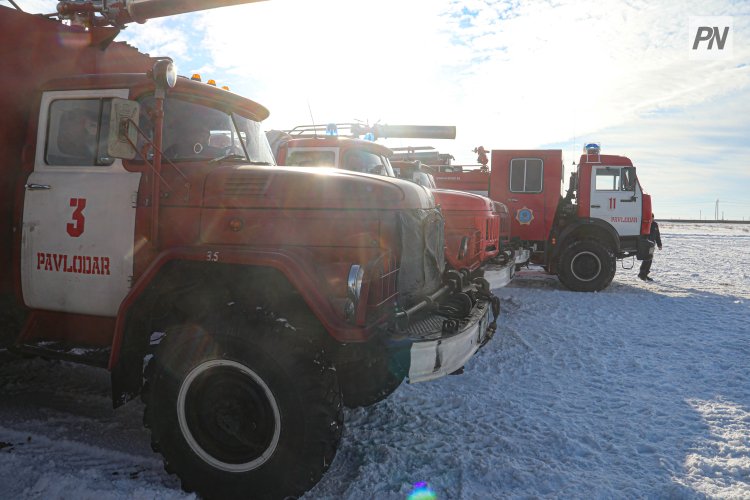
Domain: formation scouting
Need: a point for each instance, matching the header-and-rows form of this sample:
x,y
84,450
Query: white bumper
x,y
522,256
431,359
499,275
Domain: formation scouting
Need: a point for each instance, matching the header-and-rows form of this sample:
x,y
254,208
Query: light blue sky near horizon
x,y
507,74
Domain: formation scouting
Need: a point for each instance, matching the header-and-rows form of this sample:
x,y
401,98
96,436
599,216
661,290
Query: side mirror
x,y
122,134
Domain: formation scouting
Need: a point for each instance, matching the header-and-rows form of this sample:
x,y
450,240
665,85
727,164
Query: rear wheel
x,y
587,266
242,412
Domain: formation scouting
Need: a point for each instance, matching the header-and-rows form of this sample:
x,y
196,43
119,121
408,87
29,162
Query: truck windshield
x,y
194,131
311,158
365,161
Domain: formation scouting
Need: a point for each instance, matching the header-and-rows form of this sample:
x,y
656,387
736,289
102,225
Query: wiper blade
x,y
229,157
239,159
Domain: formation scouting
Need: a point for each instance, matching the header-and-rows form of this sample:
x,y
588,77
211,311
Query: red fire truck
x,y
477,229
147,231
604,216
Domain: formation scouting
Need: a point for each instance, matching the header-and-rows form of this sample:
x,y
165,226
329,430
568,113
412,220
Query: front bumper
x,y
522,256
435,353
499,275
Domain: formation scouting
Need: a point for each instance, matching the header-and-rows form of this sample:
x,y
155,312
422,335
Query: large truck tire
x,y
369,373
243,412
587,266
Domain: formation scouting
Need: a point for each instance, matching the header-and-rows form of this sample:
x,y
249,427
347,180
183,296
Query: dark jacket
x,y
654,235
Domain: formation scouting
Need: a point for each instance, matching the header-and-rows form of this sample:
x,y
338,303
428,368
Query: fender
x,y
284,262
589,226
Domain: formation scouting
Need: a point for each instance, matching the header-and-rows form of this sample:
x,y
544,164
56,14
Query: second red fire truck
x,y
477,229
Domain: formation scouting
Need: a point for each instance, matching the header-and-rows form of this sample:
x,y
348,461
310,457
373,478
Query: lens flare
x,y
422,491
74,40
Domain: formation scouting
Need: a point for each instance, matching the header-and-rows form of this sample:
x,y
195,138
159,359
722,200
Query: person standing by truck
x,y
654,236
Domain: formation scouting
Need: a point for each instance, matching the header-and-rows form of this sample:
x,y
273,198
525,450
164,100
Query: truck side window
x,y
628,179
77,133
526,175
608,179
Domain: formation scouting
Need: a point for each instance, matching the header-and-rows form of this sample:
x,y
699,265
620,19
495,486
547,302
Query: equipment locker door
x,y
79,210
528,183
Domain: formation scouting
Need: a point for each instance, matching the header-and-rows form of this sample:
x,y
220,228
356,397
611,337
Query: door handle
x,y
596,206
37,187
630,200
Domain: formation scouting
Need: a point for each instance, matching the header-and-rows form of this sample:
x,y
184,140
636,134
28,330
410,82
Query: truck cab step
x,y
93,356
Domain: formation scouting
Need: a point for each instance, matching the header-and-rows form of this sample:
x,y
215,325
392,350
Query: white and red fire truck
x,y
604,216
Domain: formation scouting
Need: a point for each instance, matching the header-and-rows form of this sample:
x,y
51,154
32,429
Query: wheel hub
x,y
586,266
228,415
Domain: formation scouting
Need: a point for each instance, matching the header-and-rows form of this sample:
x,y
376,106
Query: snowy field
x,y
640,391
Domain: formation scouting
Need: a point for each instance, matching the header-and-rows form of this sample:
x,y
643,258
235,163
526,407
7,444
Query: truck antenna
x,y
315,130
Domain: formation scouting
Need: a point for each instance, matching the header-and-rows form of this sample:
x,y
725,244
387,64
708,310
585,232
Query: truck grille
x,y
477,245
382,284
422,236
246,185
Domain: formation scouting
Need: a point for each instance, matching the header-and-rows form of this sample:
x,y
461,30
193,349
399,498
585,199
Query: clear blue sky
x,y
508,74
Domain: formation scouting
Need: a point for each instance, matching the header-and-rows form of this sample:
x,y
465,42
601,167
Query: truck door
x,y
79,210
616,198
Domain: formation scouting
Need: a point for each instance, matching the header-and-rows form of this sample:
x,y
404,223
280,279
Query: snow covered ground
x,y
642,390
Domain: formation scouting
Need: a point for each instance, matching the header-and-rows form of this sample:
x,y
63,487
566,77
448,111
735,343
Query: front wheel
x,y
243,412
369,373
587,266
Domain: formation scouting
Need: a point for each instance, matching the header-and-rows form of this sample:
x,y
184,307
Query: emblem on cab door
x,y
524,216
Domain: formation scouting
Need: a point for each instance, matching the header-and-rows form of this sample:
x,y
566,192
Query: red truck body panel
x,y
532,213
456,177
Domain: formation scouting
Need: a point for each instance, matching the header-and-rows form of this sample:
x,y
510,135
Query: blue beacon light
x,y
332,129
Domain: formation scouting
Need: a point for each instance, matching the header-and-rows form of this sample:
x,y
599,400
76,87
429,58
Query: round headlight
x,y
464,248
354,282
165,73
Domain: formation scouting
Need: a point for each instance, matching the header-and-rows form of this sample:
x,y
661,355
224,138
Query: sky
x,y
508,74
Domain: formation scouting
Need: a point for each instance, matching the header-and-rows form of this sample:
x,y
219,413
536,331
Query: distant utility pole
x,y
716,210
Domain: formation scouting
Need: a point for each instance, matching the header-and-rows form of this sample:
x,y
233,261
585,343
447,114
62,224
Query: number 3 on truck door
x,y
75,229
